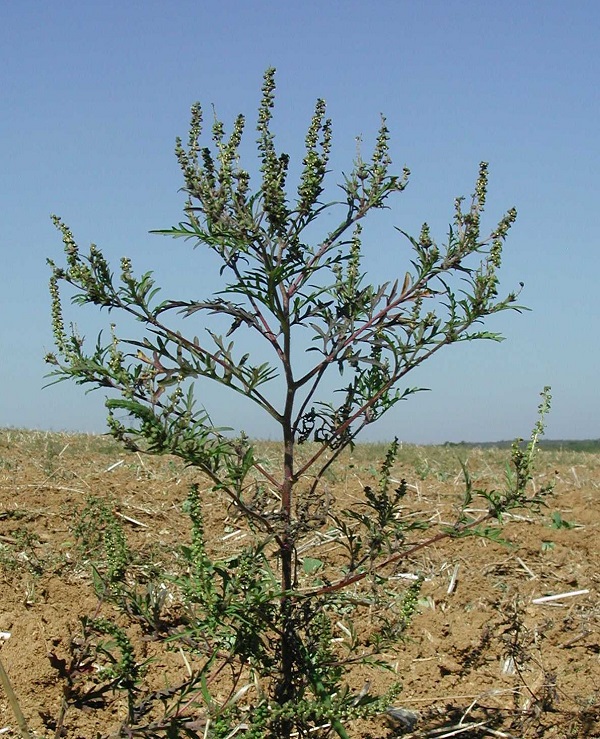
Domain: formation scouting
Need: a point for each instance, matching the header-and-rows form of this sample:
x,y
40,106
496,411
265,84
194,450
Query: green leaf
x,y
311,565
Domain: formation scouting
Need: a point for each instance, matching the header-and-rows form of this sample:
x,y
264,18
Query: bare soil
x,y
476,610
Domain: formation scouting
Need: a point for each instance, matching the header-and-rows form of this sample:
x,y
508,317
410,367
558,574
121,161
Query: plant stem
x,y
14,703
285,687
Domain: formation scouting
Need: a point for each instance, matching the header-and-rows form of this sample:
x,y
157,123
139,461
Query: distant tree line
x,y
567,445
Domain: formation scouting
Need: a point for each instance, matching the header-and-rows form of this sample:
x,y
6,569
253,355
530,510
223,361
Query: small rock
x,y
403,718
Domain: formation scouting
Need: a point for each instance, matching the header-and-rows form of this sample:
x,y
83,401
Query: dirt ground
x,y
481,658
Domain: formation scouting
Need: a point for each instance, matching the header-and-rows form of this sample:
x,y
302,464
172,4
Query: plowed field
x,y
483,657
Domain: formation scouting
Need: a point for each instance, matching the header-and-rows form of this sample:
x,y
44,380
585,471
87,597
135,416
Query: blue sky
x,y
94,94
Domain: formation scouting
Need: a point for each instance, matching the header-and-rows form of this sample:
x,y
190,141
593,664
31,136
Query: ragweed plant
x,y
293,290
100,536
